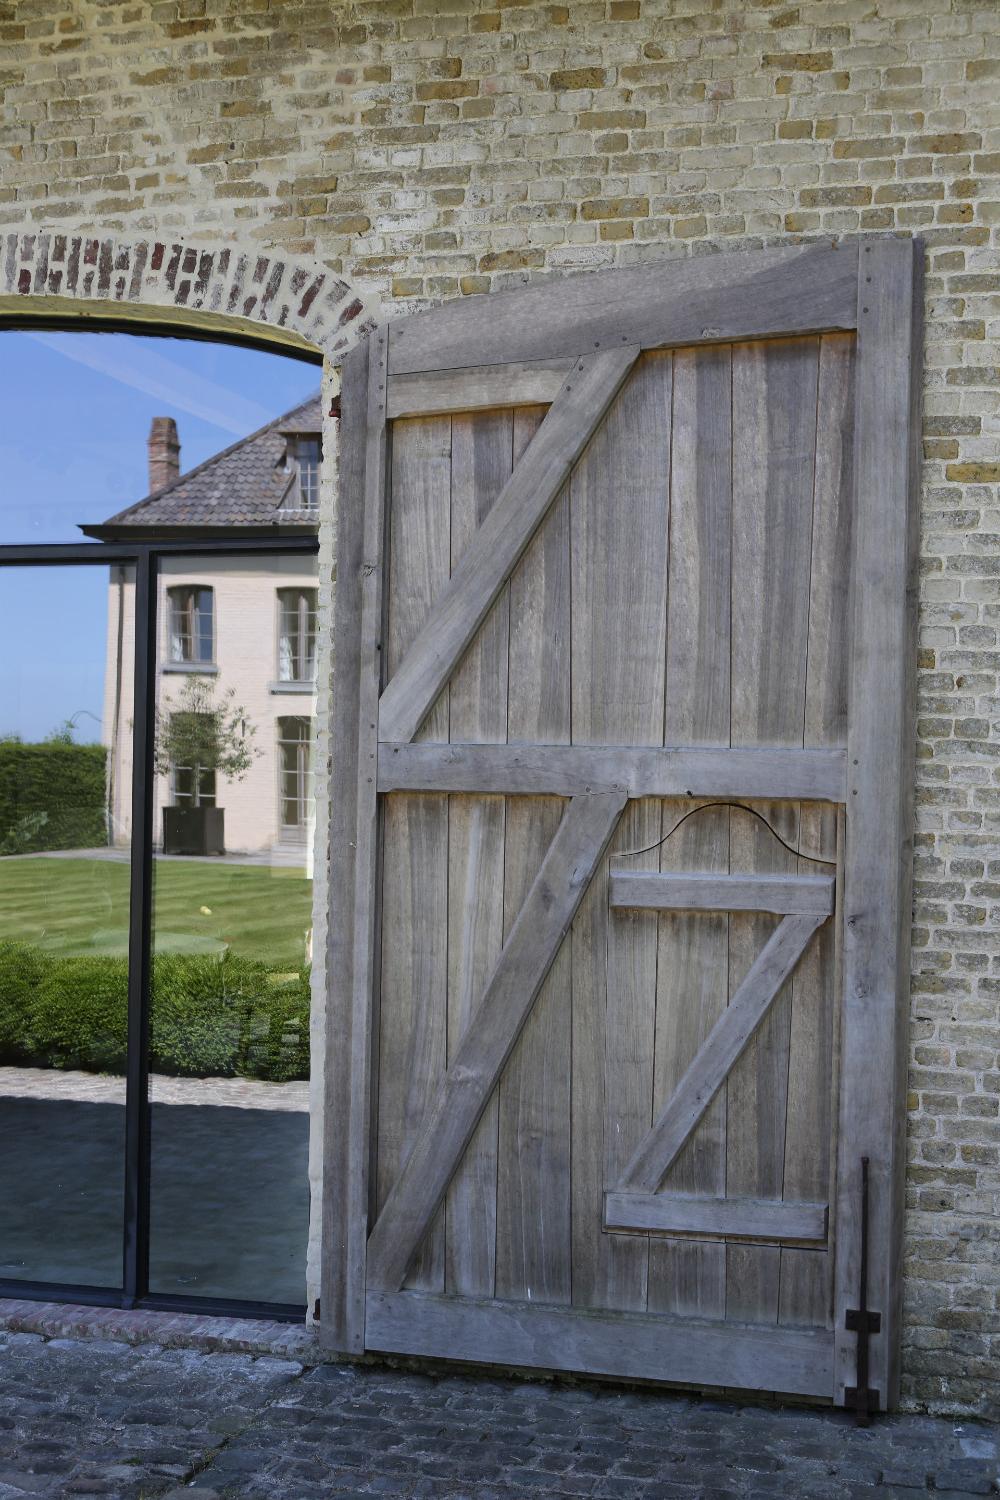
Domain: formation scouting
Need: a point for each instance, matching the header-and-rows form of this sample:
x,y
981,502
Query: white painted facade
x,y
246,659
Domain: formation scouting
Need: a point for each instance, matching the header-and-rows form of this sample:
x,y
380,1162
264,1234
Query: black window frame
x,y
145,557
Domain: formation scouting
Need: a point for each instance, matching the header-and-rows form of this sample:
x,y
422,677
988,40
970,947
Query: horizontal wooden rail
x,y
477,387
769,1219
788,895
767,774
641,1346
793,289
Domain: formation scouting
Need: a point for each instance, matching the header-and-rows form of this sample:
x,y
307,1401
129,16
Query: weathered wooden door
x,y
618,959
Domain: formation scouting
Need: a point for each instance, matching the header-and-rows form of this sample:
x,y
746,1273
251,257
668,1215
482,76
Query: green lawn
x,y
72,905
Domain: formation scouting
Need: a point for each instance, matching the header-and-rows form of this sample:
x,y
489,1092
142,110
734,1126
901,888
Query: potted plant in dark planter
x,y
201,736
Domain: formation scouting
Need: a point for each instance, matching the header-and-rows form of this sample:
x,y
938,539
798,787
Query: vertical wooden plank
x,y
805,1275
481,463
774,431
688,1277
414,990
347,1081
533,1183
533,1180
619,510
806,1286
879,803
580,845
833,510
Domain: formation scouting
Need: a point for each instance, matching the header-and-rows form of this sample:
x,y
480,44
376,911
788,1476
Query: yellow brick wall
x,y
427,149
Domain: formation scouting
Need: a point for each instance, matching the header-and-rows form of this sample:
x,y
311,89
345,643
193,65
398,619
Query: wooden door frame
x,y
517,346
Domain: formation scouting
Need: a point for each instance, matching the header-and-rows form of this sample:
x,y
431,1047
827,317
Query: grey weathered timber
x,y
534,1181
347,1063
475,937
810,1123
481,463
666,613
785,894
726,1042
458,1104
620,510
477,388
774,448
763,773
880,811
627,1345
736,1218
415,877
688,1276
806,1276
802,289
488,561
830,570
533,1169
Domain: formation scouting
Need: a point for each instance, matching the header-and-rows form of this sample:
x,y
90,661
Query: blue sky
x,y
75,410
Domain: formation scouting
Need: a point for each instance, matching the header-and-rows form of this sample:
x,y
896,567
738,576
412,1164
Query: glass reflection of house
x,y
245,625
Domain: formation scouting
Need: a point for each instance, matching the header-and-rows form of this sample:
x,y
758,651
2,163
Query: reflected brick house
x,y
244,625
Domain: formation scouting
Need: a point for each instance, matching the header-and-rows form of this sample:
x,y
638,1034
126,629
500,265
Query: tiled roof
x,y
244,485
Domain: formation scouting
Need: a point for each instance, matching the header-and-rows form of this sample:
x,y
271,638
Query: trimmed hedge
x,y
52,796
211,1017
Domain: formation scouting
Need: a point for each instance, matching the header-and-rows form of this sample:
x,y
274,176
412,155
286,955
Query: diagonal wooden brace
x,y
588,391
725,1043
527,955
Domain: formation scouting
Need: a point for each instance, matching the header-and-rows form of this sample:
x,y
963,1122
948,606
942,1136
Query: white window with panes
x,y
297,635
191,624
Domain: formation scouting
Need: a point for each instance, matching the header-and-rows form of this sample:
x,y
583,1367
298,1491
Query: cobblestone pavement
x,y
98,1417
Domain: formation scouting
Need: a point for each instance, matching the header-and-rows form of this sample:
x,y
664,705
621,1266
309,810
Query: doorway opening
x,y
155,913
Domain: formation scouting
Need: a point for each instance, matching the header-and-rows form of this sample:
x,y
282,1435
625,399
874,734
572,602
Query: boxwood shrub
x,y
52,796
21,971
211,1017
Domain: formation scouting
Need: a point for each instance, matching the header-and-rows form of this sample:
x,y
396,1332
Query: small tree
x,y
205,732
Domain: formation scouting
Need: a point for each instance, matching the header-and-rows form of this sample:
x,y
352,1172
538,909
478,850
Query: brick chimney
x,y
164,447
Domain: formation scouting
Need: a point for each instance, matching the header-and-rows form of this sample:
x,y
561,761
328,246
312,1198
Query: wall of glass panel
x,y
156,820
65,869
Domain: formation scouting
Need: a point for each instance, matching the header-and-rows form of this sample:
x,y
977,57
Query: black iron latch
x,y
861,1398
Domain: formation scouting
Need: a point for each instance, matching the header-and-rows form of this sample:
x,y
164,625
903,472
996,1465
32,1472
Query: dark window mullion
x,y
135,1270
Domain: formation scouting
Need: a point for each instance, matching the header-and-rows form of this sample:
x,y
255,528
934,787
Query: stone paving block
x,y
977,1478
906,1478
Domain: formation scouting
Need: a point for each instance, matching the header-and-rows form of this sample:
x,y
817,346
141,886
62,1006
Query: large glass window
x,y
65,783
190,625
296,635
232,948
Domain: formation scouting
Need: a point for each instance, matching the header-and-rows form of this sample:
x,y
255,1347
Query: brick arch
x,y
212,284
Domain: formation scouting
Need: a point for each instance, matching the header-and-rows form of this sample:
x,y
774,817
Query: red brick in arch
x,y
303,296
